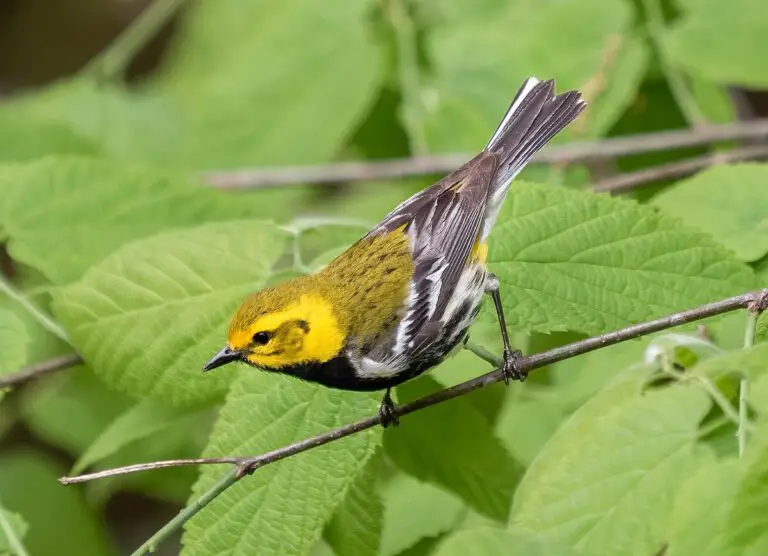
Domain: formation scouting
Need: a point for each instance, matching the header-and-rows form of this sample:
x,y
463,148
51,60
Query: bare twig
x,y
625,182
40,369
245,465
441,164
250,463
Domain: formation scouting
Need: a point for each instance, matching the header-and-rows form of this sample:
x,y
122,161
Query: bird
x,y
402,298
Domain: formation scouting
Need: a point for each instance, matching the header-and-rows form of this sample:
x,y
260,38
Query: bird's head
x,y
280,327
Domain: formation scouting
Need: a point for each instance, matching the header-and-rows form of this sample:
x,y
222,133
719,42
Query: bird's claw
x,y
387,412
511,368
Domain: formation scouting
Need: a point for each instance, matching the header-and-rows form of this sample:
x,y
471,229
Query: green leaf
x,y
746,531
720,45
281,509
425,547
524,427
141,420
472,464
415,511
490,541
125,125
12,531
13,342
60,522
653,109
701,509
42,344
479,64
603,482
185,438
719,511
713,101
70,409
729,202
590,263
25,138
579,378
266,97
110,205
355,528
321,548
149,316
752,362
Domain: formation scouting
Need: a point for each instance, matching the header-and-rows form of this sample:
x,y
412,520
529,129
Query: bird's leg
x,y
511,368
387,411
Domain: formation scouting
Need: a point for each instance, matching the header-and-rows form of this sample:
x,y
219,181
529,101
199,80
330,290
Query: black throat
x,y
340,374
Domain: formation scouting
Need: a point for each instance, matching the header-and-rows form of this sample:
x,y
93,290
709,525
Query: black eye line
x,y
261,338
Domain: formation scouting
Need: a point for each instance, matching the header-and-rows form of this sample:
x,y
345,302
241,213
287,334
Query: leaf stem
x,y
742,433
408,71
714,393
674,77
483,353
14,542
40,316
187,513
713,426
113,61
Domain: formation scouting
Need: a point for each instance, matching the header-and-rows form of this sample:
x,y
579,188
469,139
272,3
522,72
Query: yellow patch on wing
x,y
479,253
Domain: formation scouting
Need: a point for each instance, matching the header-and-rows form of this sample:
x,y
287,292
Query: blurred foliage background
x,y
114,246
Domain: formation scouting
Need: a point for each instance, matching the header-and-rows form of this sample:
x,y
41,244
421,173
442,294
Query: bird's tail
x,y
535,116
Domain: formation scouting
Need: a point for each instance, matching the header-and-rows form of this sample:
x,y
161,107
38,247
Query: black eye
x,y
261,338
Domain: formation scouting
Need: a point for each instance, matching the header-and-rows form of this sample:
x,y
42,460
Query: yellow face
x,y
305,331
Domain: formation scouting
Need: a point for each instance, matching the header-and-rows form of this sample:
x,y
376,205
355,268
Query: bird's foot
x,y
511,367
388,412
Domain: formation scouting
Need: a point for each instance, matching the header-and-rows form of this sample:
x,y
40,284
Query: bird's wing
x,y
443,223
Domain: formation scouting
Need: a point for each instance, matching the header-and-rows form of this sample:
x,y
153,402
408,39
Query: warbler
x,y
398,301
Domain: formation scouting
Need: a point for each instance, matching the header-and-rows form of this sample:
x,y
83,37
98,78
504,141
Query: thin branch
x,y
233,460
250,178
114,60
245,465
632,180
40,369
248,464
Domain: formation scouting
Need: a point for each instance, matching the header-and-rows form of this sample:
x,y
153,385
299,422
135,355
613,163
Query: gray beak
x,y
225,356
